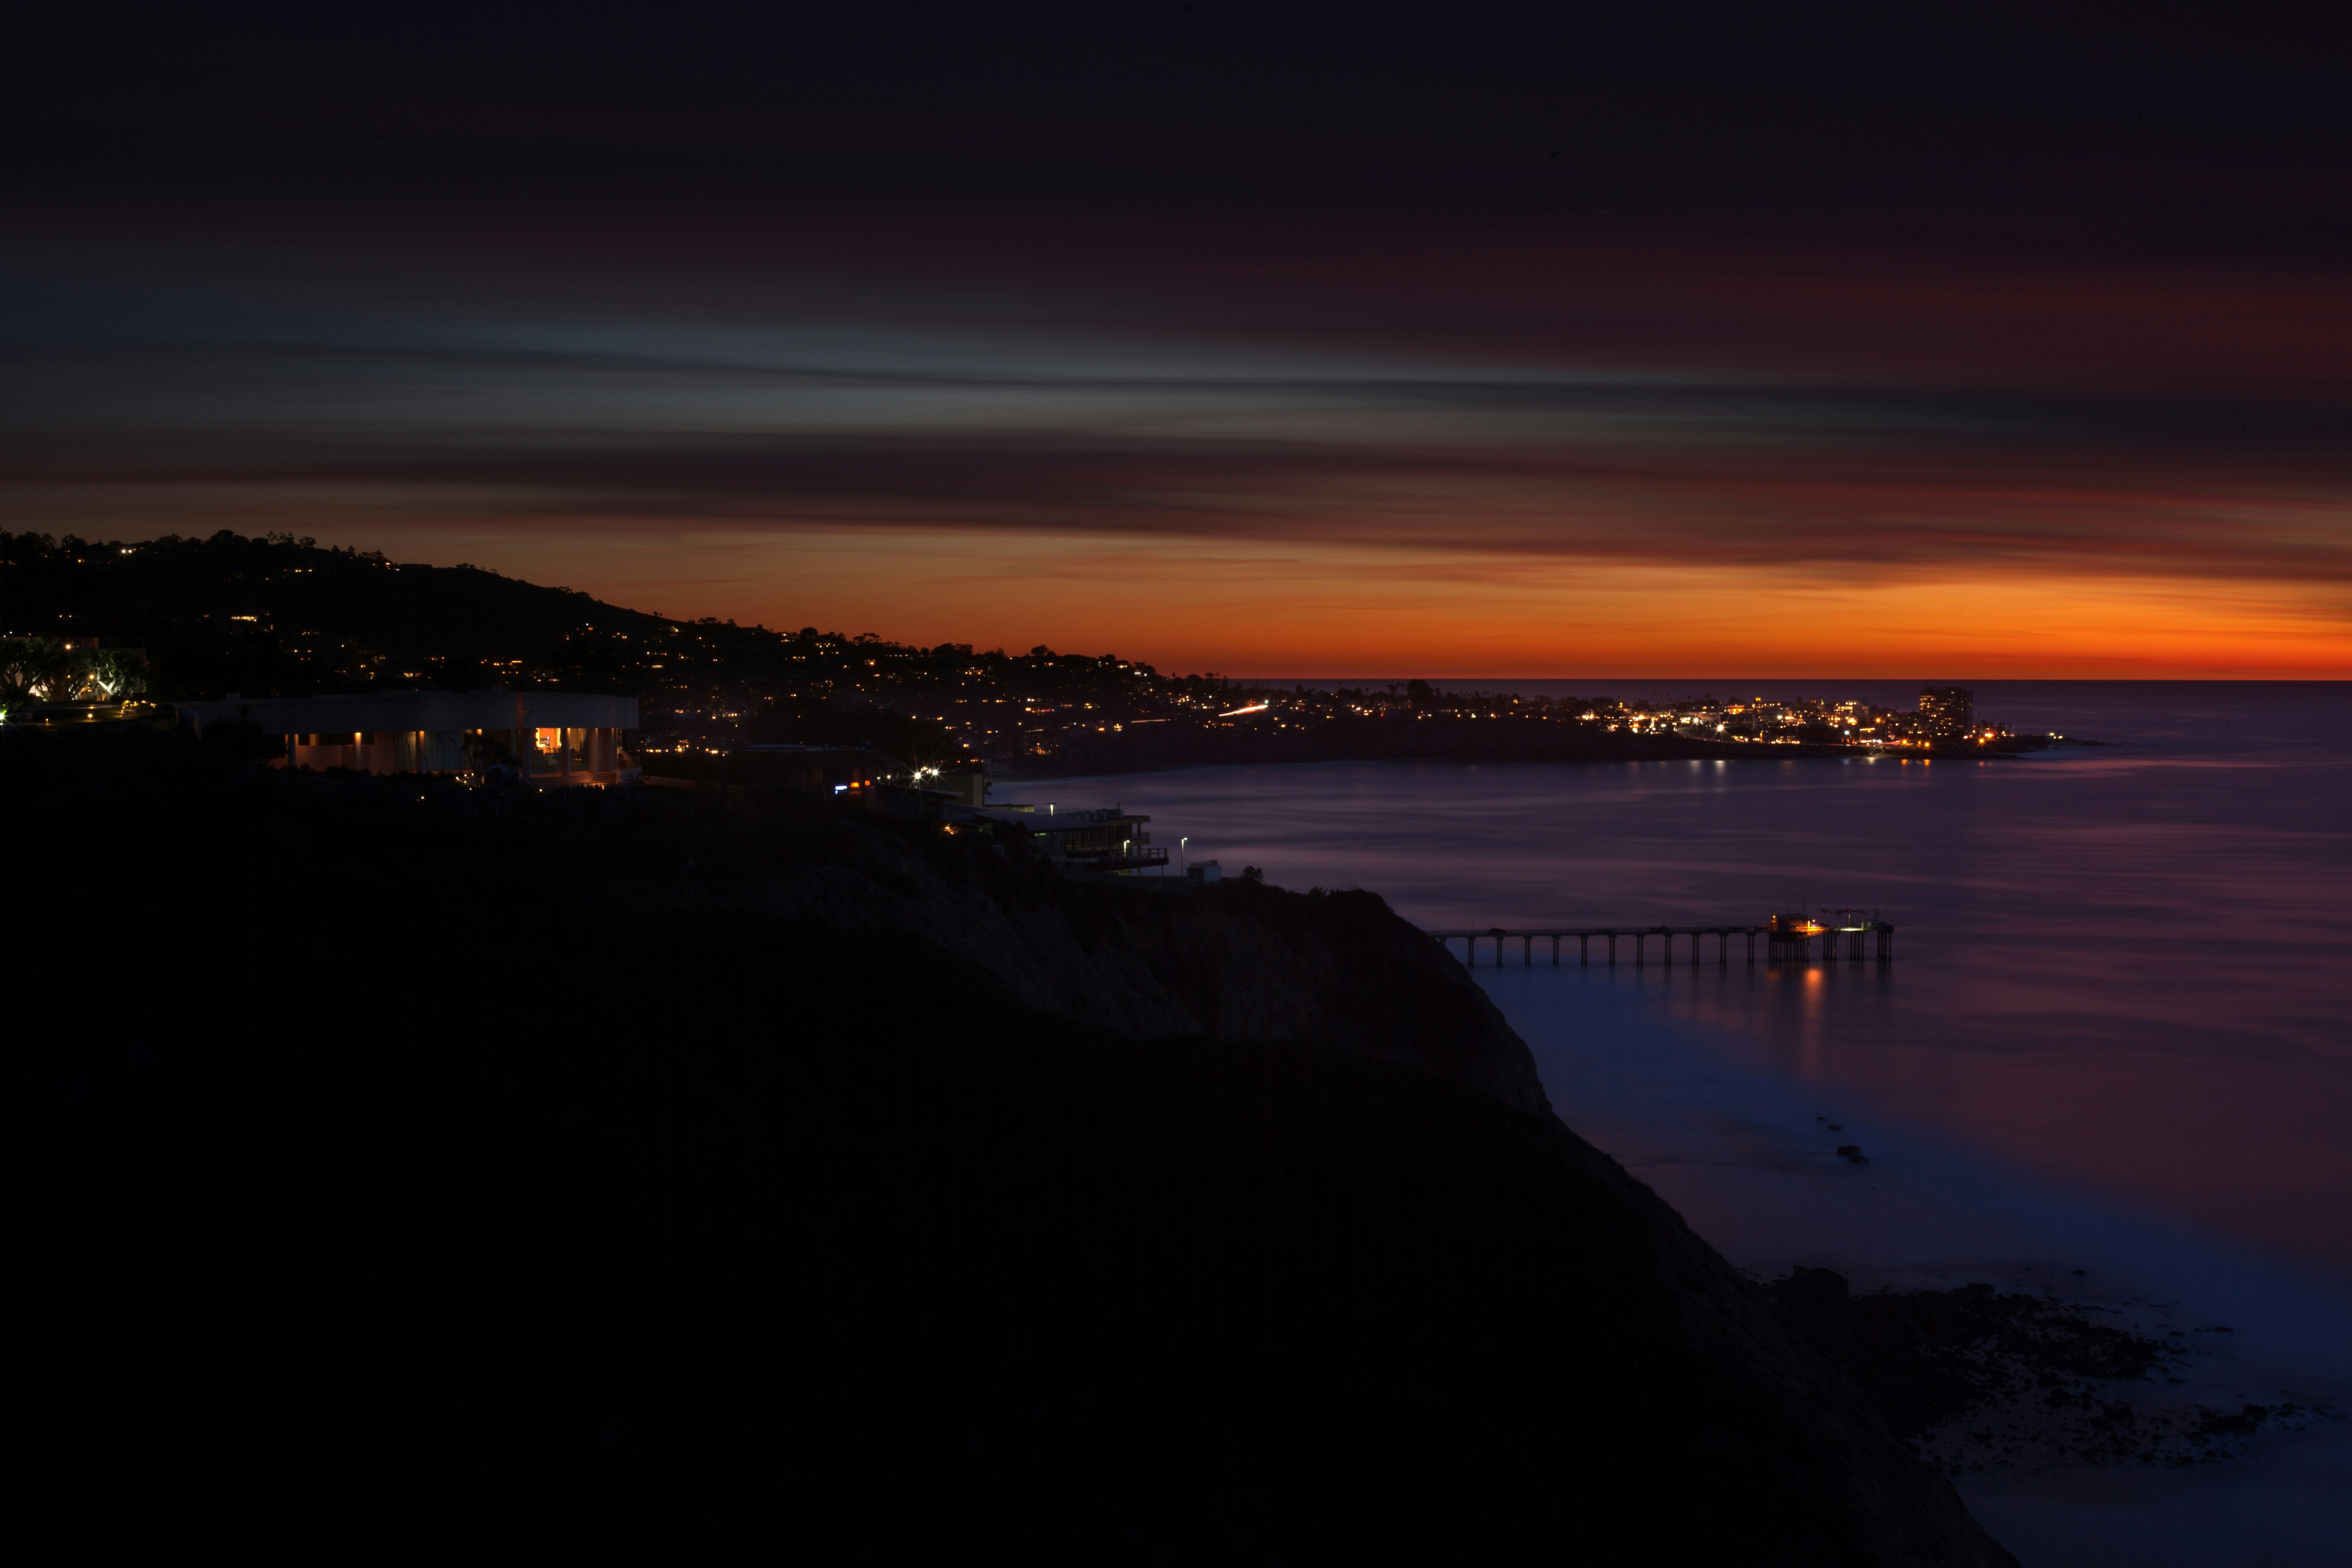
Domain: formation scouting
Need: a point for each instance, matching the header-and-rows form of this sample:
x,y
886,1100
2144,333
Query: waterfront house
x,y
548,738
1106,839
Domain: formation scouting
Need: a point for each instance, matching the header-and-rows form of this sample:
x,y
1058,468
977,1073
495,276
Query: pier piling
x,y
1785,941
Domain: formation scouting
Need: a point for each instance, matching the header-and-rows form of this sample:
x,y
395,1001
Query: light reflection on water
x,y
2125,971
2115,1039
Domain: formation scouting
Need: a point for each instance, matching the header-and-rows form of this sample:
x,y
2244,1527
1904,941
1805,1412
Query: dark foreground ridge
x,y
605,1175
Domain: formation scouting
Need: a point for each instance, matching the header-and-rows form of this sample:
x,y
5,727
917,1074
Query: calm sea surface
x,y
2115,1041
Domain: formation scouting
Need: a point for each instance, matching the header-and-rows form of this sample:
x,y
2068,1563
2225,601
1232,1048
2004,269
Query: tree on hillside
x,y
114,675
35,669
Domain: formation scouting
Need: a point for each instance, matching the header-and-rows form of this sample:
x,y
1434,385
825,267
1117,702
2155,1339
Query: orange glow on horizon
x,y
1312,609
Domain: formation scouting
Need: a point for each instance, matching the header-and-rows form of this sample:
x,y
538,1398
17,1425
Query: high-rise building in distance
x,y
1948,711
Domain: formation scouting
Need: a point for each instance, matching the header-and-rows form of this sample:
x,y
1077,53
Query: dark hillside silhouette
x,y
277,615
412,1168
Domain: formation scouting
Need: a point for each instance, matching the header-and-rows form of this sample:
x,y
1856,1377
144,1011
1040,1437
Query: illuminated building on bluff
x,y
1947,712
546,738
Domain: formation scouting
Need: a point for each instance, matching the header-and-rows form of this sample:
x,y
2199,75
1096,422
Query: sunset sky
x,y
1650,342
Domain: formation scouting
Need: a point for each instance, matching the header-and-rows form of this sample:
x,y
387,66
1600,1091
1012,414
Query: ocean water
x,y
2111,1059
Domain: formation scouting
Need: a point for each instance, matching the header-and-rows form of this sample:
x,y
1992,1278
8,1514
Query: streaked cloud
x,y
1493,473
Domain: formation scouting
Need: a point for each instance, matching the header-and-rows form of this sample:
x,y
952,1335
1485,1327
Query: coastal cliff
x,y
1235,962
605,1174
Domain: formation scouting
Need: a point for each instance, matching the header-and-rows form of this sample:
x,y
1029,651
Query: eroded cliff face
x,y
1280,970
1236,962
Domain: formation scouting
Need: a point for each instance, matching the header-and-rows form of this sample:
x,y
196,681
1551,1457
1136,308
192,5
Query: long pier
x,y
1786,941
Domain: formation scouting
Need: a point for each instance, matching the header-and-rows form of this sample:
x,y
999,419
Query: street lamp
x,y
1180,855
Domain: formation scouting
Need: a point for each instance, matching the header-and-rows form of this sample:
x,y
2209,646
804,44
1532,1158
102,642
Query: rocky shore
x,y
415,1168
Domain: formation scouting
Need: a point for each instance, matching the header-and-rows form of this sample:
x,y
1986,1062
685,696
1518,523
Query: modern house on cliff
x,y
1111,839
549,737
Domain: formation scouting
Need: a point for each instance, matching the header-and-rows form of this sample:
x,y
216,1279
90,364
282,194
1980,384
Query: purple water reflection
x,y
2125,970
2113,1042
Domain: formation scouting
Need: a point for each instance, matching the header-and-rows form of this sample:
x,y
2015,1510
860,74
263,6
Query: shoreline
x,y
1731,1145
2097,851
1081,765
